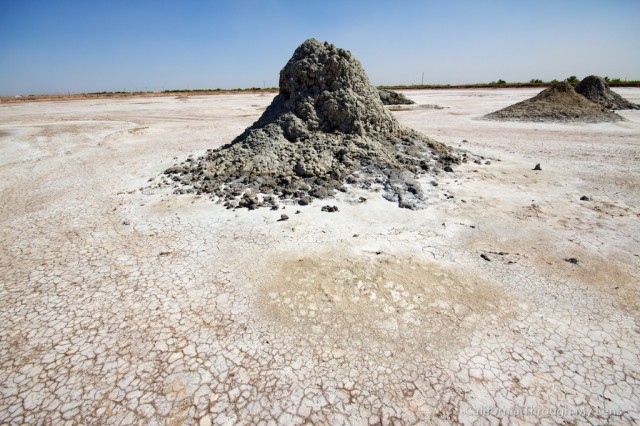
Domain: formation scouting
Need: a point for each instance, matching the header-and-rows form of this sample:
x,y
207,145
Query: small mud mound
x,y
597,90
560,102
389,97
326,130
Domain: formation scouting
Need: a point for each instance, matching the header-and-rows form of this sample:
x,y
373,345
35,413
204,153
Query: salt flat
x,y
507,299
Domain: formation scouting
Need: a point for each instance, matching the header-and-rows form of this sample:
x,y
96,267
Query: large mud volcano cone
x,y
326,130
597,90
560,102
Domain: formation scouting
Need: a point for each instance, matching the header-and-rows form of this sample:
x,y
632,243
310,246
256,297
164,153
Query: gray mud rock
x,y
389,97
597,90
559,102
325,131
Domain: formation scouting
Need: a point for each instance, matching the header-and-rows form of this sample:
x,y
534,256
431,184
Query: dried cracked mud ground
x,y
507,300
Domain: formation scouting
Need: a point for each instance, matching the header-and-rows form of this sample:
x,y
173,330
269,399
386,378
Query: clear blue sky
x,y
60,46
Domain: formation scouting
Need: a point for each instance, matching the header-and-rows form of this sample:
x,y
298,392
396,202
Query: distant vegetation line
x,y
249,89
614,82
500,83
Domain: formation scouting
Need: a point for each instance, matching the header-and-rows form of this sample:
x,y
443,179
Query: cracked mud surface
x,y
122,306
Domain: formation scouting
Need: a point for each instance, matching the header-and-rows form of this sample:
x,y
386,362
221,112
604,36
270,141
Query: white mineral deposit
x,y
511,295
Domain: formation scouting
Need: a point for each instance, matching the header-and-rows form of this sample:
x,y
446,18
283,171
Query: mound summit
x,y
326,131
559,102
597,90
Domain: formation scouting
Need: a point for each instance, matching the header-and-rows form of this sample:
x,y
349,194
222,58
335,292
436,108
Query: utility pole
x,y
422,81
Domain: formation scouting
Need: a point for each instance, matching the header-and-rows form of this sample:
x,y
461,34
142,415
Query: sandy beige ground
x,y
128,306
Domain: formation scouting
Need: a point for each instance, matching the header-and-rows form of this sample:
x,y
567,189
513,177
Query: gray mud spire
x,y
597,90
325,131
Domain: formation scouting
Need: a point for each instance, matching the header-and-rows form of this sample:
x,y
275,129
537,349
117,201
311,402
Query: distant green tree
x,y
573,80
501,81
536,81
